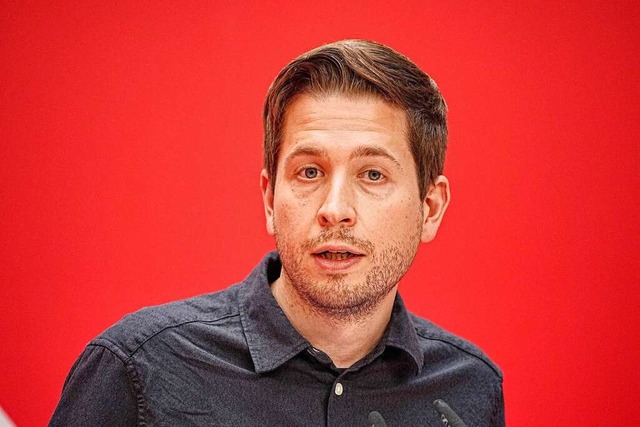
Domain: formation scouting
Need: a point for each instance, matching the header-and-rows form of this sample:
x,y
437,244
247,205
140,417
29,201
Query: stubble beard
x,y
337,297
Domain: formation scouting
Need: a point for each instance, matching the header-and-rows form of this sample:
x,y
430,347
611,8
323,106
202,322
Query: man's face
x,y
345,210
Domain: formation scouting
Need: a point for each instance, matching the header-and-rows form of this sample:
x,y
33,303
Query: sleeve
x,y
98,392
497,416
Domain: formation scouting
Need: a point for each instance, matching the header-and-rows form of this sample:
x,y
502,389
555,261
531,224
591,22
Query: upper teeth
x,y
335,255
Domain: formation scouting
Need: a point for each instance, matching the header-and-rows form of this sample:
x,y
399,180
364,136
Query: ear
x,y
435,205
267,199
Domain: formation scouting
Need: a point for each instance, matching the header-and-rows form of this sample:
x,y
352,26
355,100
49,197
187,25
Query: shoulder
x,y
134,330
436,341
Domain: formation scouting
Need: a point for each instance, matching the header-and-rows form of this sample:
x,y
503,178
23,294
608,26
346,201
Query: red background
x,y
130,148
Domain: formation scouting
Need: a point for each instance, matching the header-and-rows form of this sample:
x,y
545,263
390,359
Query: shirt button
x,y
339,389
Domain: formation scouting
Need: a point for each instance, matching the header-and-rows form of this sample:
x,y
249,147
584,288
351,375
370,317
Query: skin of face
x,y
345,209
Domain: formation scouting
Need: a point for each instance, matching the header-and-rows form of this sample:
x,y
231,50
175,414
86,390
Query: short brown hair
x,y
357,67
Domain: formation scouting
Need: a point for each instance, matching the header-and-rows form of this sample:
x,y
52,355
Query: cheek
x,y
290,213
402,218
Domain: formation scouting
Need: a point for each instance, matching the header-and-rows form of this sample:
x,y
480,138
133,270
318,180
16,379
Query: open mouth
x,y
336,256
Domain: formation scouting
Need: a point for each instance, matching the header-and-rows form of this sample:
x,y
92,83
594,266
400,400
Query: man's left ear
x,y
435,205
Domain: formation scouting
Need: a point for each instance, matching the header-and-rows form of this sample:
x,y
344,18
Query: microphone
x,y
449,418
376,420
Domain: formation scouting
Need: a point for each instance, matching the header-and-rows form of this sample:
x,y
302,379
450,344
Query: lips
x,y
336,251
336,258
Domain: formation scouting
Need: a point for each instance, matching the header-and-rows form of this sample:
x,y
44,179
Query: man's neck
x,y
345,339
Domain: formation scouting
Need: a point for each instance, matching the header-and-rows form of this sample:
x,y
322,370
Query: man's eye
x,y
311,173
374,175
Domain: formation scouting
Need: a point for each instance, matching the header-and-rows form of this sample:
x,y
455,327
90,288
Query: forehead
x,y
362,111
360,119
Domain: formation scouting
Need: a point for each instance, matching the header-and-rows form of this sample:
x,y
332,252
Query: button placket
x,y
339,402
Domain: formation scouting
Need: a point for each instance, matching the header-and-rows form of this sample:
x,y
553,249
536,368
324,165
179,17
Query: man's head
x,y
359,67
354,138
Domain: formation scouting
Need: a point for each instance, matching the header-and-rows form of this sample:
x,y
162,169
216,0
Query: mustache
x,y
340,234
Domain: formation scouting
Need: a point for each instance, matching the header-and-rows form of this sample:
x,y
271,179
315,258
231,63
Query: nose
x,y
338,206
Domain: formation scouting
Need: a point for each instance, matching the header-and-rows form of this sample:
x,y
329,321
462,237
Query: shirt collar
x,y
401,333
272,339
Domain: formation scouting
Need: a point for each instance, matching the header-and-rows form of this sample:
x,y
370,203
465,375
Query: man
x,y
355,137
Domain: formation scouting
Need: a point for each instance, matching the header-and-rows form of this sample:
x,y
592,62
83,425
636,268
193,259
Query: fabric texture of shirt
x,y
232,358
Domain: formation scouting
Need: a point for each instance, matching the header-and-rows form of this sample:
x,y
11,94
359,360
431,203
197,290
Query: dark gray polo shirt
x,y
232,358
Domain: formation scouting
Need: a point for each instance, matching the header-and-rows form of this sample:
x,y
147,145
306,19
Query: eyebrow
x,y
368,151
305,150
